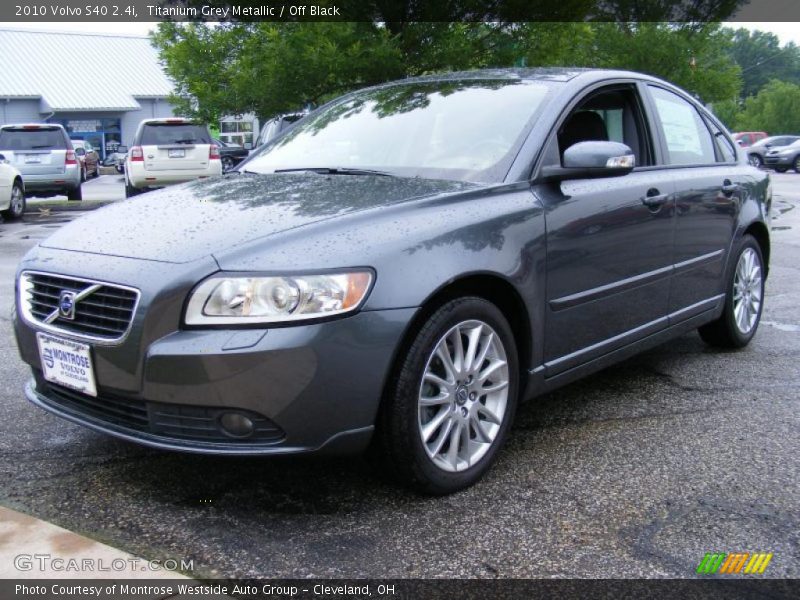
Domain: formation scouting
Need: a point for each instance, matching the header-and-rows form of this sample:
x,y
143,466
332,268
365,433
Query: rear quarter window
x,y
32,139
162,134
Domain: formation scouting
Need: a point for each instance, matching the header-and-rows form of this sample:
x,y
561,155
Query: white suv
x,y
167,151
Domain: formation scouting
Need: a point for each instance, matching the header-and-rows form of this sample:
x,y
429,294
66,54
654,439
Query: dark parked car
x,y
784,158
383,276
88,158
757,152
230,154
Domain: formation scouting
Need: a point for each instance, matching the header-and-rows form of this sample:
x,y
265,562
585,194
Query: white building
x,y
98,86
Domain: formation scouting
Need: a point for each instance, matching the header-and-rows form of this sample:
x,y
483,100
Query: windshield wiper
x,y
337,171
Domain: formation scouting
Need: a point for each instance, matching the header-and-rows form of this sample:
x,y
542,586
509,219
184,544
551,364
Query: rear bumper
x,y
55,182
141,178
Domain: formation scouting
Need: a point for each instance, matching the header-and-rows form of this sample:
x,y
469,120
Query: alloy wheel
x,y
747,291
17,201
463,396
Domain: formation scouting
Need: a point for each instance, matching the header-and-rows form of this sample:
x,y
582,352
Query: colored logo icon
x,y
744,563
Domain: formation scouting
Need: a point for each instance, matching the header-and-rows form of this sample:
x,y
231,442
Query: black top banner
x,y
400,11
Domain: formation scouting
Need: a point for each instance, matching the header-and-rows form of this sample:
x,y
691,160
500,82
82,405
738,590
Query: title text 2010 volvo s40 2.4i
x,y
400,269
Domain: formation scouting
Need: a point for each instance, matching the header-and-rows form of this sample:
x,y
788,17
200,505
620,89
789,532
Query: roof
x,y
79,71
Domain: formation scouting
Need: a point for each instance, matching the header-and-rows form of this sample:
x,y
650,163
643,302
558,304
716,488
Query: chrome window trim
x,y
24,309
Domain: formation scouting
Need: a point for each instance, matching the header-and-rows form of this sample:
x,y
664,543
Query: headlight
x,y
236,300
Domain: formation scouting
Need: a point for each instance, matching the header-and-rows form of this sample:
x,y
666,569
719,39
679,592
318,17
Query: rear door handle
x,y
653,199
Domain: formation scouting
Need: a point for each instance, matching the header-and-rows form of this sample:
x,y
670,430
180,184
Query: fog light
x,y
236,425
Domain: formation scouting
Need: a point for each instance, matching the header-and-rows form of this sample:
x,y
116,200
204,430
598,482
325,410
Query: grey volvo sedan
x,y
400,269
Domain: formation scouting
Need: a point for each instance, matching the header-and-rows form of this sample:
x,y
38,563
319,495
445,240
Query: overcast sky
x,y
786,32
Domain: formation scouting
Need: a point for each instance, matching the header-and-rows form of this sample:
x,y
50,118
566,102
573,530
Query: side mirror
x,y
587,160
2,158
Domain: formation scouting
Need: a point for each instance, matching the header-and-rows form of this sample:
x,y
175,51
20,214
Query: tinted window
x,y
32,139
688,139
448,130
727,153
159,134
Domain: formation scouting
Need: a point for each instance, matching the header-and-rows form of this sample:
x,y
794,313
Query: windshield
x,y
158,134
462,130
32,139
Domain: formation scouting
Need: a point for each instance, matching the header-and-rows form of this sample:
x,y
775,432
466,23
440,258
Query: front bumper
x,y
312,387
778,161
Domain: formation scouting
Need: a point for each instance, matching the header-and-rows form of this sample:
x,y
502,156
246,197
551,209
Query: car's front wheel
x,y
743,301
797,164
449,409
755,160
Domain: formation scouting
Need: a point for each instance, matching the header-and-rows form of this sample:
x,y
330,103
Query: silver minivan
x,y
43,154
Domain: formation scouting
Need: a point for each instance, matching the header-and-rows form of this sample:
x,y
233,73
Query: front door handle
x,y
729,188
654,199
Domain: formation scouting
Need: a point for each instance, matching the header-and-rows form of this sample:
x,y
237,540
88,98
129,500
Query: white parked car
x,y
12,191
169,151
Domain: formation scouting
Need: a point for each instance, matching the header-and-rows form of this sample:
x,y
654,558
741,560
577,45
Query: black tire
x,y
75,194
398,444
797,164
131,191
724,332
83,174
17,208
781,169
97,170
756,160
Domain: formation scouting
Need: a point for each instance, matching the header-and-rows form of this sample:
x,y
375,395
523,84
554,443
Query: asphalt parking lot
x,y
637,471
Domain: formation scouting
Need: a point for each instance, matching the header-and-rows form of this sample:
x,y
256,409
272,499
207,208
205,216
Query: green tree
x,y
775,109
762,59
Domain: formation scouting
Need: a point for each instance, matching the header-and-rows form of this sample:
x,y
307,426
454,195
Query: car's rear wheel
x,y
743,301
131,191
97,169
75,193
16,208
755,160
452,402
83,174
797,164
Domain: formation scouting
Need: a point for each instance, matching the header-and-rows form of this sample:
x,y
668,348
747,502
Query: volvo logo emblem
x,y
461,395
66,305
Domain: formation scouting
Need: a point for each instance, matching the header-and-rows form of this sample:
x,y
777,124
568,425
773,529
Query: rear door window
x,y
164,134
688,140
32,139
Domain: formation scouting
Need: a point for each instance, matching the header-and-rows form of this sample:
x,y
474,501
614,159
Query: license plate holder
x,y
67,363
32,159
177,153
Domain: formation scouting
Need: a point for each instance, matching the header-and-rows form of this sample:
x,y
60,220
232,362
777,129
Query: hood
x,y
186,222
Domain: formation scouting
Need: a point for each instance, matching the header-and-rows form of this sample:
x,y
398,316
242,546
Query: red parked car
x,y
748,138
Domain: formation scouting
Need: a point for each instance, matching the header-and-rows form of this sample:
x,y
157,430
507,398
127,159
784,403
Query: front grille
x,y
105,314
167,421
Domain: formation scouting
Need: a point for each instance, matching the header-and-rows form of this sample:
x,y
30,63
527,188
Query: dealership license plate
x,y
67,363
32,159
177,153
